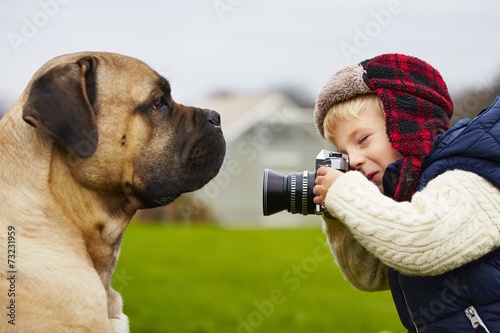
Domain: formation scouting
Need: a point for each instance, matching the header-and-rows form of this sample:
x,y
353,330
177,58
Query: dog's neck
x,y
33,167
101,218
23,154
104,214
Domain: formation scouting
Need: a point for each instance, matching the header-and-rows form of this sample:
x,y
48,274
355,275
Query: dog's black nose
x,y
213,117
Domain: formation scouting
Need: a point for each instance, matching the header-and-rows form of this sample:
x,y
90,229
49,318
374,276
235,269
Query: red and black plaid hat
x,y
416,105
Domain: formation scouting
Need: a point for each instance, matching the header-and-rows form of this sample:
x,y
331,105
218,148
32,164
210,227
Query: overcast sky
x,y
203,46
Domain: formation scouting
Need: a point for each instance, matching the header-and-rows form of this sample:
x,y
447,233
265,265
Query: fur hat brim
x,y
343,85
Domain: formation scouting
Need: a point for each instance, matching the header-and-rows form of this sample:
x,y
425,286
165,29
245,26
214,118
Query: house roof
x,y
239,113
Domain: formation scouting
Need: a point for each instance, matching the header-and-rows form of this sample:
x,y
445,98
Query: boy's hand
x,y
325,177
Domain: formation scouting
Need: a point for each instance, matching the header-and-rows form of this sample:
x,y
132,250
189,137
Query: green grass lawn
x,y
207,279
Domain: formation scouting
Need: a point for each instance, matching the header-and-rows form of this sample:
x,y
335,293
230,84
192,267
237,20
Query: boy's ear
x,y
60,103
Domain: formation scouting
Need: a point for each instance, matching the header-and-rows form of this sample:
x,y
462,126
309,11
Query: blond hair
x,y
348,110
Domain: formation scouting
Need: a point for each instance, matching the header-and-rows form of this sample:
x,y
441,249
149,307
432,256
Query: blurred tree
x,y
480,95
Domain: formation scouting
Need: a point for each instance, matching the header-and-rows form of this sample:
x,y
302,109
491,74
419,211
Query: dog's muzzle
x,y
196,157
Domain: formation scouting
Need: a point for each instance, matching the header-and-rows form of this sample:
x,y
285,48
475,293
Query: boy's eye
x,y
363,138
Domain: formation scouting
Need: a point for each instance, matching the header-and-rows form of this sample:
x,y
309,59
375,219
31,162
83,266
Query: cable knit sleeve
x,y
453,220
359,267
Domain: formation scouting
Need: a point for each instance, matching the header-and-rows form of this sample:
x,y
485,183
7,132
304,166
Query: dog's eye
x,y
158,104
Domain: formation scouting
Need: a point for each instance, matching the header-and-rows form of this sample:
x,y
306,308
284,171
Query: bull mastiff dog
x,y
93,138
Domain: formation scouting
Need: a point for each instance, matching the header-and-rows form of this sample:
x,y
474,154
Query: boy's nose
x,y
356,161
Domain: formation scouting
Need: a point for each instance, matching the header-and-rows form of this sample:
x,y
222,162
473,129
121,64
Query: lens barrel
x,y
292,192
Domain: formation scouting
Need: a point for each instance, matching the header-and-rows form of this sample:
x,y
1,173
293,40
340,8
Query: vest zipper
x,y
475,320
406,304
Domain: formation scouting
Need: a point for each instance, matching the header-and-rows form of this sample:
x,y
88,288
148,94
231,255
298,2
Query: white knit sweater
x,y
455,219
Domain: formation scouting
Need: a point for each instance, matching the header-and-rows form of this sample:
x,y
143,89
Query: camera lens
x,y
292,192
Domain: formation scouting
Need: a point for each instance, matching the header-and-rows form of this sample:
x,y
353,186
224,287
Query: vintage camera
x,y
293,192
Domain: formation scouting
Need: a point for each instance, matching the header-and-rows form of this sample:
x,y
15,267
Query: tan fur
x,y
69,213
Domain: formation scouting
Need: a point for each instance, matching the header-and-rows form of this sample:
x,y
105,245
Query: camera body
x,y
293,192
332,159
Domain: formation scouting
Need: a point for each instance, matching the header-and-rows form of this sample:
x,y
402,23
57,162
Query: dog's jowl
x,y
93,138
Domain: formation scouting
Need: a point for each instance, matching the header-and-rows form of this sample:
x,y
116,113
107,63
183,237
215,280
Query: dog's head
x,y
119,129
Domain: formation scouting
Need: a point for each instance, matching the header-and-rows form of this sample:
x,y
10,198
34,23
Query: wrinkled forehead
x,y
130,78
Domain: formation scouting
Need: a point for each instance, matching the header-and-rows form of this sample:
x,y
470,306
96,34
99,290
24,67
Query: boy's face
x,y
366,142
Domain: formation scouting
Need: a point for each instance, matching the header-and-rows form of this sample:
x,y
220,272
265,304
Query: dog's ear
x,y
60,103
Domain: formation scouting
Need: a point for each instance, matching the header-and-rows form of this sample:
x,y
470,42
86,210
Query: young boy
x,y
420,211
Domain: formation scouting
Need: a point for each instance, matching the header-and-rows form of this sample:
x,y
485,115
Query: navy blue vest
x,y
439,303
